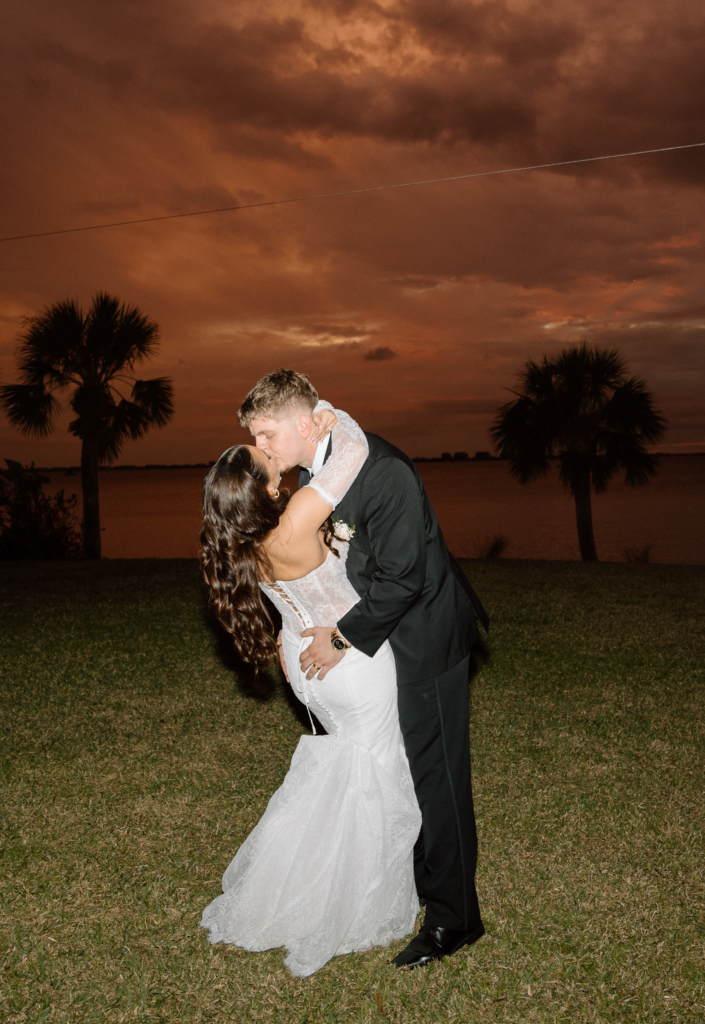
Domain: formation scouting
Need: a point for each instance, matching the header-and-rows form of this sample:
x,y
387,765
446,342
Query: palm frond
x,y
631,410
536,380
594,367
150,405
75,428
118,336
122,427
49,345
138,334
522,435
642,467
586,377
29,407
155,398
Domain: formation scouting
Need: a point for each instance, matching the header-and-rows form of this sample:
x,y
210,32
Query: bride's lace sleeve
x,y
349,451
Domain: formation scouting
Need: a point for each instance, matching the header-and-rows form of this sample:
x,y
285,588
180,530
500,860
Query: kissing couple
x,y
376,816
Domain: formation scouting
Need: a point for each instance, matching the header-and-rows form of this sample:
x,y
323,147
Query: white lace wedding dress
x,y
328,869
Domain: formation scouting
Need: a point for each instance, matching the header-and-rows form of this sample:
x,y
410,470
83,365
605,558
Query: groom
x,y
412,593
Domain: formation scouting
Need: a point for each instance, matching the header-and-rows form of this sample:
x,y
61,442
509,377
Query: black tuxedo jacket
x,y
412,592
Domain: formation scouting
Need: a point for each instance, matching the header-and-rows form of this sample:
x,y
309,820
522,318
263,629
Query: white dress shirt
x,y
320,456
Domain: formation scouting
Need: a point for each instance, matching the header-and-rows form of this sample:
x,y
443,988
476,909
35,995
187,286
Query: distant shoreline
x,y
453,460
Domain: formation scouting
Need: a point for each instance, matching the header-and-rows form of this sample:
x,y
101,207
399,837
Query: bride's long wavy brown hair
x,y
238,515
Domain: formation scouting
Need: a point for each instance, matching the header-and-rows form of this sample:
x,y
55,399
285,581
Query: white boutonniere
x,y
343,531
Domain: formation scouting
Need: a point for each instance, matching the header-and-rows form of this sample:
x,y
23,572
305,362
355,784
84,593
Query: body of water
x,y
155,513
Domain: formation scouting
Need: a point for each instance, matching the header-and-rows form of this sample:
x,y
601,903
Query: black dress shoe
x,y
435,943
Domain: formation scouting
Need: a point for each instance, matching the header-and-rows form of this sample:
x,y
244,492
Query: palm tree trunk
x,y
583,517
91,504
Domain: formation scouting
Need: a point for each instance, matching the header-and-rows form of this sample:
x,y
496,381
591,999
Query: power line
x,y
349,192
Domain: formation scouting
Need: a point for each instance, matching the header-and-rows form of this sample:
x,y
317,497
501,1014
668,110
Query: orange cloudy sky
x,y
413,308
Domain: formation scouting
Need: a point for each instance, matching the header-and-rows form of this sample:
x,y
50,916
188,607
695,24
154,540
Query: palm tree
x,y
92,352
579,407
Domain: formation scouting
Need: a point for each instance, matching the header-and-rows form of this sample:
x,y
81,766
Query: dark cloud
x,y
379,355
518,37
545,82
684,316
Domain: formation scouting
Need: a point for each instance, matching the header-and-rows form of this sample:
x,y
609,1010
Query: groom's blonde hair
x,y
277,393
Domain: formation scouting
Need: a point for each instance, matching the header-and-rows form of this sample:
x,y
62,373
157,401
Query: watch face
x,y
339,644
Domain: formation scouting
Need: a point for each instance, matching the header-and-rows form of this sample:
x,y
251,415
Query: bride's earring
x,y
275,495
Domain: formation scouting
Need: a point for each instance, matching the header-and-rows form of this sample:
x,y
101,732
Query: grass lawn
x,y
134,764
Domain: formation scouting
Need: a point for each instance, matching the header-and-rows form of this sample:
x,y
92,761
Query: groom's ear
x,y
305,425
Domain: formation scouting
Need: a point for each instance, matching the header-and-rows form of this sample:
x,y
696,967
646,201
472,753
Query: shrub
x,y
641,554
490,547
34,525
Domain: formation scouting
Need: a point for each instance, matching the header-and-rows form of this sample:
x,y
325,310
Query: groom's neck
x,y
308,454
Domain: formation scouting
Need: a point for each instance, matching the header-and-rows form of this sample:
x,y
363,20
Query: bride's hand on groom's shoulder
x,y
323,420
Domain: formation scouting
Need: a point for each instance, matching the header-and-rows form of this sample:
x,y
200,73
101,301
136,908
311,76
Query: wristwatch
x,y
336,639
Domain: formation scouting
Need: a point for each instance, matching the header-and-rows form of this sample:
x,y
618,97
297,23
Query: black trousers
x,y
435,723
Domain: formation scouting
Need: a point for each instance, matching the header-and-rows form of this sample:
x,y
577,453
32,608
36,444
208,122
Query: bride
x,y
329,867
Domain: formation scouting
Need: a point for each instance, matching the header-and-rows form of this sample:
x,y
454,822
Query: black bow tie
x,y
306,475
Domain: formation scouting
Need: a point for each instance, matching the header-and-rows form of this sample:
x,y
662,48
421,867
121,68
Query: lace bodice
x,y
320,598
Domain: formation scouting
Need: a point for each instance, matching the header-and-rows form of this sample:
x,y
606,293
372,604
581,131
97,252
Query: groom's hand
x,y
319,652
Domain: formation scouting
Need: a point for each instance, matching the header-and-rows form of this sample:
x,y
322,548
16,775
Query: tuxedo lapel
x,y
330,449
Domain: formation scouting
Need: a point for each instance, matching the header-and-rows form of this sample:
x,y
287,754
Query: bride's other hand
x,y
281,657
324,420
